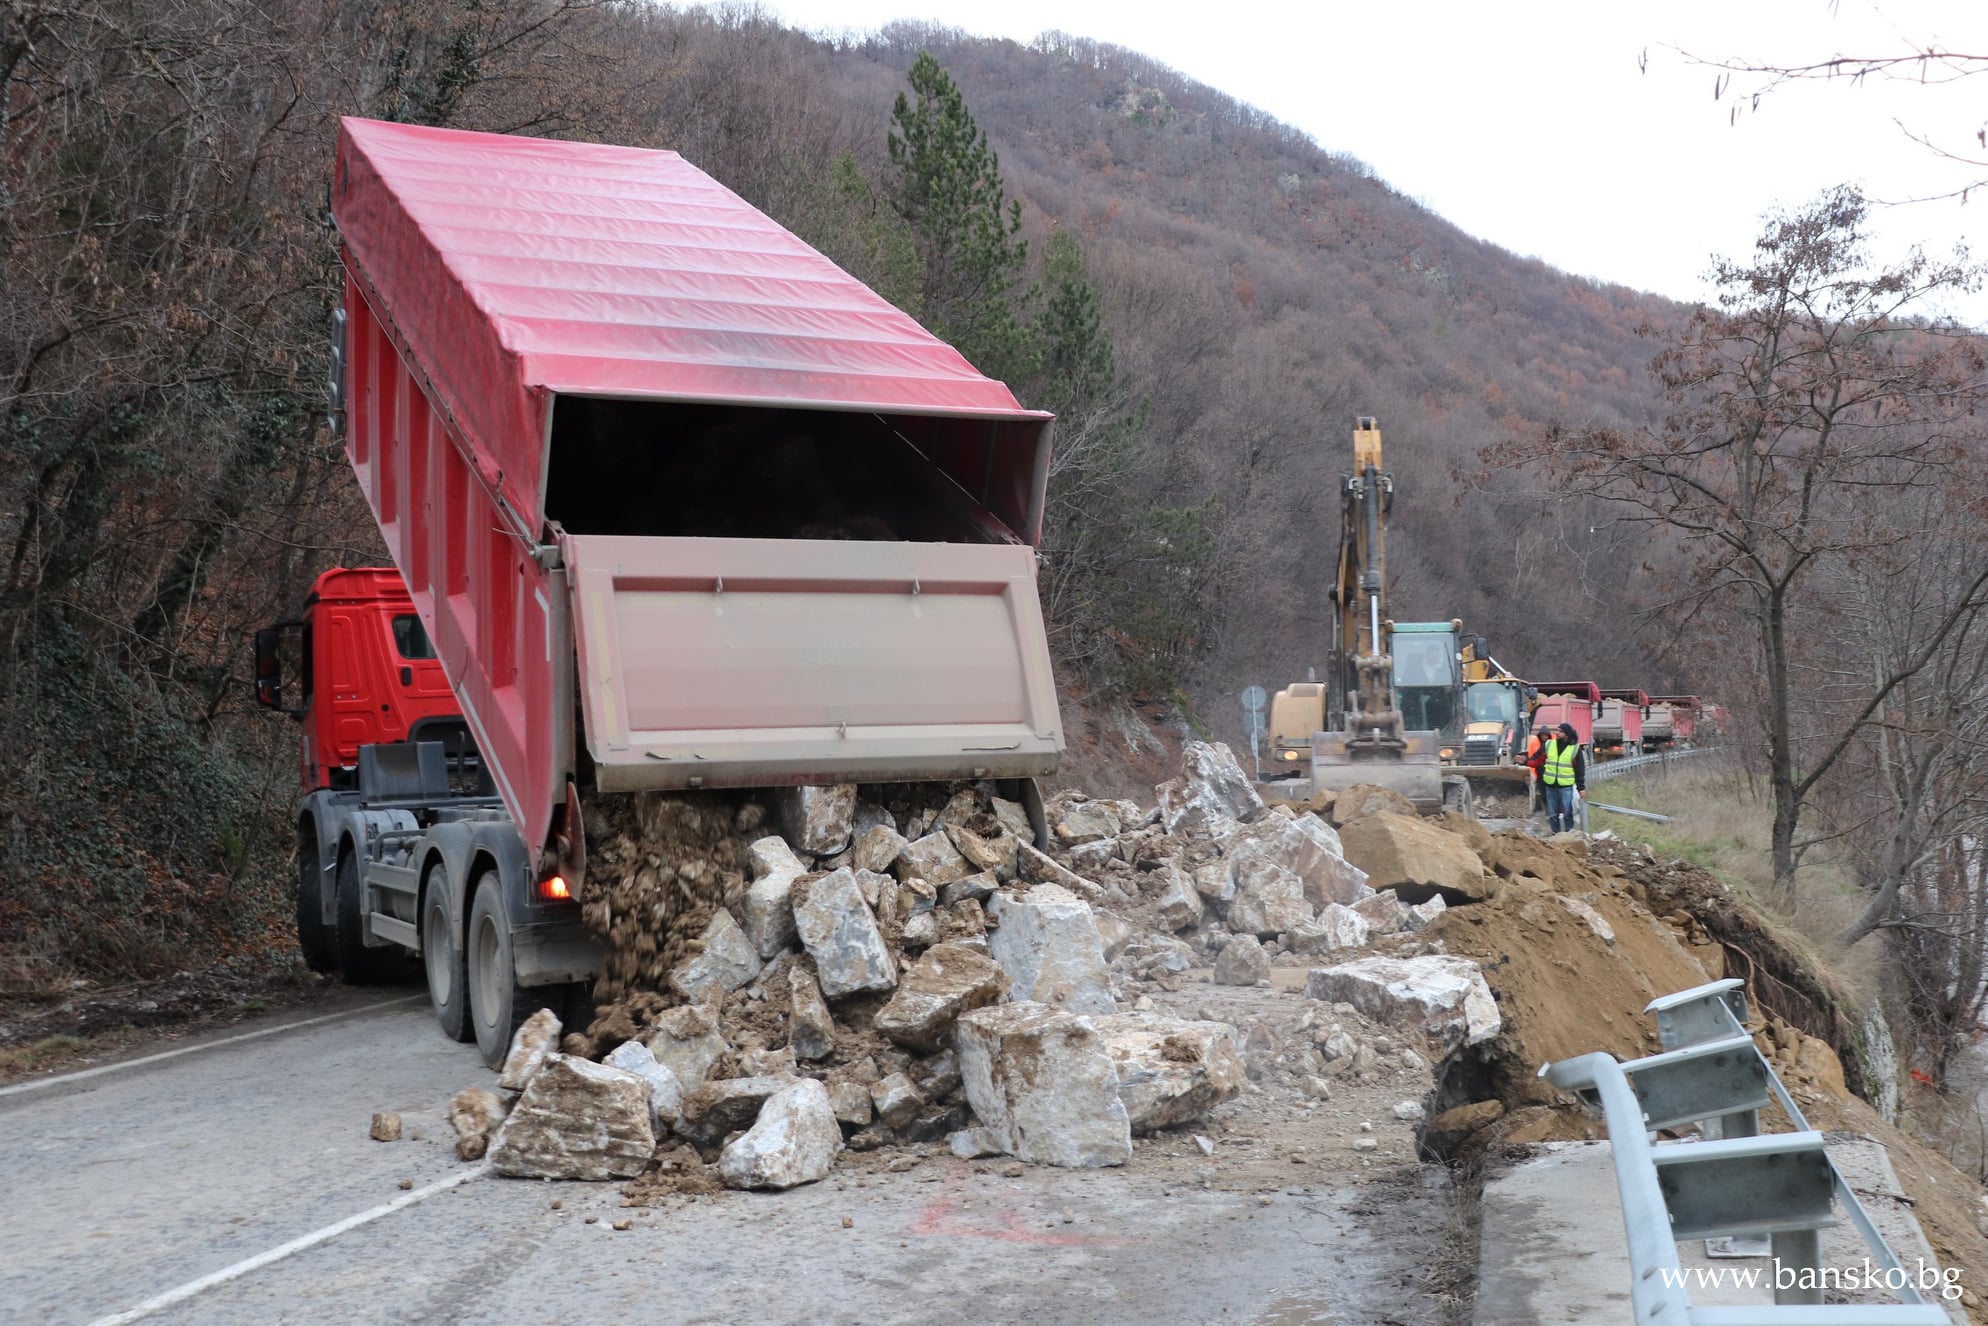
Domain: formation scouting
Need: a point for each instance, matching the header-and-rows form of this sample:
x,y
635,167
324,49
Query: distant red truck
x,y
673,503
1576,702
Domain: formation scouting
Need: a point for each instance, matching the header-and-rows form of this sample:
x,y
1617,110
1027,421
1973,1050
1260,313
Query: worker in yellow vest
x,y
1564,774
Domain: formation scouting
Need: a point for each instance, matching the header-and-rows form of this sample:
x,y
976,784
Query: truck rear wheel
x,y
497,1004
358,962
448,977
318,941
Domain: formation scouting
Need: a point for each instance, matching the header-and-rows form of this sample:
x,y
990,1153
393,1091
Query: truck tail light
x,y
553,889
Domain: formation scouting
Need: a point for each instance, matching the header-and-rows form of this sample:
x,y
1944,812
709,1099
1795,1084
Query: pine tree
x,y
948,187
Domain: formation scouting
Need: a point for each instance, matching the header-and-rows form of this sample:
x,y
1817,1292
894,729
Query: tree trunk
x,y
1780,747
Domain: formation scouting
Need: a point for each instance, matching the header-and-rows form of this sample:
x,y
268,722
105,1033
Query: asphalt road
x,y
131,1184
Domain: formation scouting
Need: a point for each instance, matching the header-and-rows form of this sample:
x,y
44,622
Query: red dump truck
x,y
673,503
1575,702
1619,725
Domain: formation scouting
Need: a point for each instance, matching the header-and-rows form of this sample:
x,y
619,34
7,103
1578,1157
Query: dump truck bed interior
x,y
627,437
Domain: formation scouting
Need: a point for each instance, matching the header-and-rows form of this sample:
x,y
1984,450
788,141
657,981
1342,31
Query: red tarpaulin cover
x,y
515,268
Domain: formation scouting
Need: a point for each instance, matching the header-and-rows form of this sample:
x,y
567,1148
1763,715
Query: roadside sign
x,y
1253,698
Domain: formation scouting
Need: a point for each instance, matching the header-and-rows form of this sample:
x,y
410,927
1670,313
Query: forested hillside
x,y
1208,298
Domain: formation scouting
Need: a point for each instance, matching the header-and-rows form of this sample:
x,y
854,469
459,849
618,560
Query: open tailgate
x,y
756,662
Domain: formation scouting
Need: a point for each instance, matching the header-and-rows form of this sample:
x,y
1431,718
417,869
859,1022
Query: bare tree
x,y
1807,388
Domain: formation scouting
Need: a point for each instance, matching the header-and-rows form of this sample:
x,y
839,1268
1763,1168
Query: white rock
x,y
535,1040
576,1120
819,820
1043,1085
1013,818
728,961
768,908
973,1143
852,1103
1037,868
793,1141
1242,962
686,1041
716,1109
1308,848
933,859
877,848
1179,902
1269,898
665,1092
1334,929
1409,1111
896,1100
841,935
1087,822
810,1027
1385,913
1047,942
1211,791
1213,881
868,816
1171,1071
931,994
1444,995
1589,917
1424,912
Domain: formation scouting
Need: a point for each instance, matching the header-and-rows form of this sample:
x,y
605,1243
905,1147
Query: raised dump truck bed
x,y
678,502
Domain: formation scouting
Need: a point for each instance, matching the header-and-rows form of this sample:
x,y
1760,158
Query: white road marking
x,y
38,1083
296,1245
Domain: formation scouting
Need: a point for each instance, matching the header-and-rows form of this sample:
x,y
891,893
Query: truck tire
x,y
318,941
1457,797
442,959
498,1005
359,963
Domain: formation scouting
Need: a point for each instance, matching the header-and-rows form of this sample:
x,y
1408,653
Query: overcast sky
x,y
1531,125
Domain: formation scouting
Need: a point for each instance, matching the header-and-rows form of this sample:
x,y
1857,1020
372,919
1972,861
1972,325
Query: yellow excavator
x,y
1327,736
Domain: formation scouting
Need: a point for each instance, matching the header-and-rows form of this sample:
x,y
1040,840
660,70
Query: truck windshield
x,y
411,638
1493,702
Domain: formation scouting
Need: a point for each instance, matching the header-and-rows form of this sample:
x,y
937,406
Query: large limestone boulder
x,y
1178,903
1242,961
687,1041
1269,898
768,909
1416,859
1212,791
819,820
1048,944
877,848
1336,928
727,962
716,1109
576,1120
793,1141
1087,822
1385,913
1043,1085
1307,847
1170,1071
665,1092
933,859
1443,995
950,979
535,1040
1364,799
841,935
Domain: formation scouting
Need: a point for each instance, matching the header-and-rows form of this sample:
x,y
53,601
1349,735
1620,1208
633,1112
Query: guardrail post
x,y
1802,1250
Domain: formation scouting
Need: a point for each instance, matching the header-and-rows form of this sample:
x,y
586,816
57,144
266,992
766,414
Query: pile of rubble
x,y
902,970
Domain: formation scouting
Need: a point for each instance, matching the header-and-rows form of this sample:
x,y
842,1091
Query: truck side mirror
x,y
269,667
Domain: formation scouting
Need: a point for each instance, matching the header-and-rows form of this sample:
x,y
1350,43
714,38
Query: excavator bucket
x,y
1416,773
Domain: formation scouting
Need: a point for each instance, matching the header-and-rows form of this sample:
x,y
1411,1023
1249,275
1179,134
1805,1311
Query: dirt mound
x,y
1573,956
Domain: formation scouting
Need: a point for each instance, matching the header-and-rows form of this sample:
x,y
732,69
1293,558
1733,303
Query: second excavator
x,y
1348,729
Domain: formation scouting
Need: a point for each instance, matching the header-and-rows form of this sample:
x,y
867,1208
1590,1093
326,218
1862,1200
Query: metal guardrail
x,y
1741,1185
1602,770
1650,815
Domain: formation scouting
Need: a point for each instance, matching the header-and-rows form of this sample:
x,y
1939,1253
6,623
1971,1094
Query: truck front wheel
x,y
448,981
359,962
497,1004
318,941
